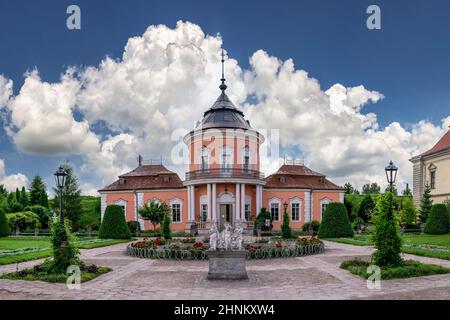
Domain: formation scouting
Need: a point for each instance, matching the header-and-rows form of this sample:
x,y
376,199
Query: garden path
x,y
310,277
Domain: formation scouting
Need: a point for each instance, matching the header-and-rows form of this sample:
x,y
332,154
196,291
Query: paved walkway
x,y
310,277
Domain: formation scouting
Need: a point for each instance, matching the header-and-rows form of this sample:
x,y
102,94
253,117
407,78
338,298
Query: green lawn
x,y
435,246
20,249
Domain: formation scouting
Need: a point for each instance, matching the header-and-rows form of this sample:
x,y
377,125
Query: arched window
x,y
226,158
296,209
274,205
175,207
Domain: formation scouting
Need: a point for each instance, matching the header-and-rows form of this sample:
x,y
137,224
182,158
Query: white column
x,y
238,202
258,199
214,199
140,204
307,206
208,200
242,213
341,197
189,201
102,205
192,203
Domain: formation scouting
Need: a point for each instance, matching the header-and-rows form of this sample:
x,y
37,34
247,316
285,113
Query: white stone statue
x,y
238,238
213,237
231,238
226,236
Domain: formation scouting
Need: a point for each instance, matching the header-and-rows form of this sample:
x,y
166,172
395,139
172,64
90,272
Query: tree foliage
x,y
366,207
154,212
4,226
71,197
38,192
386,234
408,213
335,222
286,231
372,188
425,204
23,220
64,251
437,221
166,232
260,221
114,225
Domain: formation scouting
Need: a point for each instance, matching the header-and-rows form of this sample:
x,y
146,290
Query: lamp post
x,y
60,179
391,175
285,205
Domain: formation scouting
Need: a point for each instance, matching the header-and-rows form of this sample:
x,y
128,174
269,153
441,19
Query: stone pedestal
x,y
227,265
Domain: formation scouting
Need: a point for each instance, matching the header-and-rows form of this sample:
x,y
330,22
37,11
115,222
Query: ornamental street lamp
x,y
391,175
60,179
285,206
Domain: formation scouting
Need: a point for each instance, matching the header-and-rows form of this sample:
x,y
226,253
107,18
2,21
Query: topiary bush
x,y
437,221
335,222
315,226
167,234
386,233
23,220
64,251
114,225
286,231
134,226
4,226
260,221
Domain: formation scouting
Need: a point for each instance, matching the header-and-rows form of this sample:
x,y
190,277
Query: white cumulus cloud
x,y
166,78
12,181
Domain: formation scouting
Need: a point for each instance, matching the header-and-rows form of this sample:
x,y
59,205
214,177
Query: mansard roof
x,y
146,177
299,177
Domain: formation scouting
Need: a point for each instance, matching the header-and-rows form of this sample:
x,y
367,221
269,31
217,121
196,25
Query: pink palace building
x,y
224,182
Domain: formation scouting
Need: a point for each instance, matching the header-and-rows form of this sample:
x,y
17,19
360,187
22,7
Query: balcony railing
x,y
224,173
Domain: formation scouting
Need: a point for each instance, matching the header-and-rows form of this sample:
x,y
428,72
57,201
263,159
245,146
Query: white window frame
x,y
228,151
275,201
299,202
201,155
122,203
323,201
245,152
180,203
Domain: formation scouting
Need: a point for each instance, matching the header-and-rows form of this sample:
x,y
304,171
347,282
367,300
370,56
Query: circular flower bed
x,y
189,249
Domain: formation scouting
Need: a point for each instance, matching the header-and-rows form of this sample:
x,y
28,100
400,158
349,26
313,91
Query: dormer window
x,y
282,179
166,179
122,181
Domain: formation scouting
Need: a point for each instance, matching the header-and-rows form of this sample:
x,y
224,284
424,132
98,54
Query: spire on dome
x,y
223,86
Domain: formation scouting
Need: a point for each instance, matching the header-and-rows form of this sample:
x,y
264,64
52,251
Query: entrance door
x,y
226,215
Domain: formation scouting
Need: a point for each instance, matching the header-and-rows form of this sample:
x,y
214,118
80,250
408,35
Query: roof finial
x,y
223,86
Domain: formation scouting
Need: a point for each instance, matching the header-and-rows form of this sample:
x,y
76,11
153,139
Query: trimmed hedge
x,y
335,222
4,226
134,226
437,221
114,225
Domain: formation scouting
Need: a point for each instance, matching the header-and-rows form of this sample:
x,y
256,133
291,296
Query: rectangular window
x,y
432,179
247,212
324,206
204,212
176,212
295,211
275,211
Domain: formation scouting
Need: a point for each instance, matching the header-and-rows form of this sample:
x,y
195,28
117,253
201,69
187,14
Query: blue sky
x,y
407,60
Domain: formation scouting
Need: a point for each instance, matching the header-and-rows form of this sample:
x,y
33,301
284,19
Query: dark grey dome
x,y
223,114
